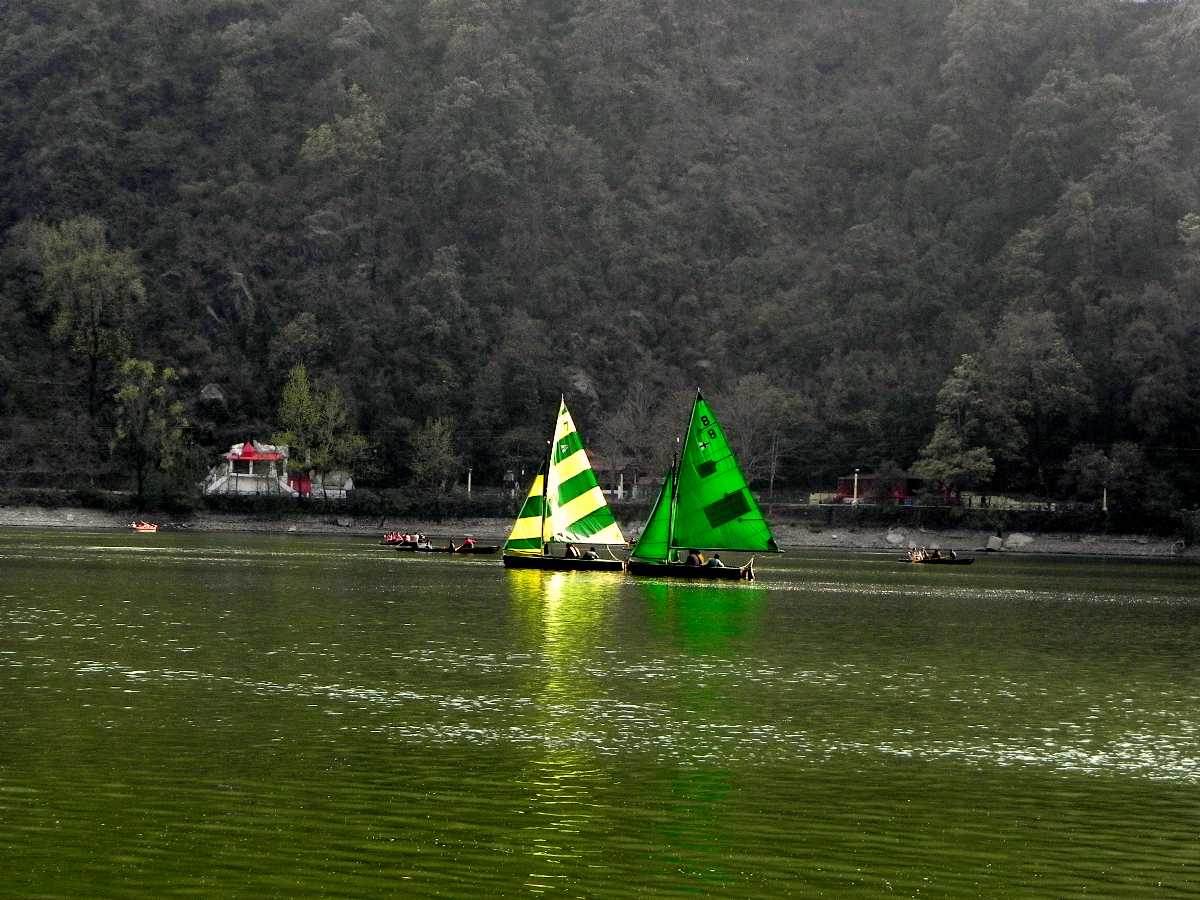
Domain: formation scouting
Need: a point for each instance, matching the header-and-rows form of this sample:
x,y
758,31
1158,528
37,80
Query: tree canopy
x,y
453,212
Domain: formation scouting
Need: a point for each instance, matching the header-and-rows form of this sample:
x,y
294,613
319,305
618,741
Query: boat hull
x,y
694,573
477,550
561,564
960,561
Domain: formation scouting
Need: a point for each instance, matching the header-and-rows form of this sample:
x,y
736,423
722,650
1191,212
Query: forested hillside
x,y
957,234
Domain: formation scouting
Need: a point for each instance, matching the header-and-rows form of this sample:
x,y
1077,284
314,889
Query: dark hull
x,y
561,564
694,573
477,550
961,561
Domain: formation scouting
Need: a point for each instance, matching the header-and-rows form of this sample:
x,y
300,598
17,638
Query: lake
x,y
239,715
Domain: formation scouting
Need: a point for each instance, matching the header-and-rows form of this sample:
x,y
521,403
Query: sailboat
x,y
564,506
704,504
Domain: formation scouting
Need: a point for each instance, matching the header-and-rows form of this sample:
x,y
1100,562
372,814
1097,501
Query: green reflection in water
x,y
249,716
705,618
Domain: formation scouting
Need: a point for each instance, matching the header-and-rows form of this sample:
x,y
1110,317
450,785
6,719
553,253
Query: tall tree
x,y
949,457
1037,381
92,291
763,419
317,428
435,462
150,421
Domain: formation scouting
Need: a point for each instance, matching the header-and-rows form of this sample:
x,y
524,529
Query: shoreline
x,y
790,535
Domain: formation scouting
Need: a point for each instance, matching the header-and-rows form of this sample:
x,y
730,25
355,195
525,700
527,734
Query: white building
x,y
252,468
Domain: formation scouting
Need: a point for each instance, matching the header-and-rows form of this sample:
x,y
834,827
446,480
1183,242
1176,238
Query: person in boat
x,y
715,562
423,542
571,551
590,553
694,558
468,544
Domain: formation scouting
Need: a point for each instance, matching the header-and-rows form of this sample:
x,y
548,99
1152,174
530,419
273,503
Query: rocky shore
x,y
791,535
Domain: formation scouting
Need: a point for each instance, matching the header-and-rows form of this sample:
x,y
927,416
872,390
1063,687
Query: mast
x,y
675,481
547,463
672,500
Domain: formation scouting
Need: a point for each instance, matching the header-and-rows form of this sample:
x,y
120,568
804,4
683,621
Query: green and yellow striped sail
x,y
530,532
576,508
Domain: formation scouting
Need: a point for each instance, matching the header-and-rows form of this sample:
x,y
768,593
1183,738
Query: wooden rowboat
x,y
939,561
477,550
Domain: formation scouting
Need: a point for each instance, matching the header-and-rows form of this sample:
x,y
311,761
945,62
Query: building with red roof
x,y
252,467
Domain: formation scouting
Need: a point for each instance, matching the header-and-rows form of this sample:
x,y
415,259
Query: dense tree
x,y
459,210
435,464
964,419
91,291
1115,477
317,429
150,421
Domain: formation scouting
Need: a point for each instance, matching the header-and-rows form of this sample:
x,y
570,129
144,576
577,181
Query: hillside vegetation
x,y
960,235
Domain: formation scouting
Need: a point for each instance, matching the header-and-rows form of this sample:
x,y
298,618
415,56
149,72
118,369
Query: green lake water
x,y
265,716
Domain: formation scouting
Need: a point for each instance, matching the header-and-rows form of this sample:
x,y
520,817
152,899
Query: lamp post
x,y
855,487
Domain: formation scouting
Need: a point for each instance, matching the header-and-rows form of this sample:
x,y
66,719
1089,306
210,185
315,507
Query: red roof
x,y
249,452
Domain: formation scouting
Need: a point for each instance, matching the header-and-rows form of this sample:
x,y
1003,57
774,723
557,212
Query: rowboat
x,y
939,561
476,549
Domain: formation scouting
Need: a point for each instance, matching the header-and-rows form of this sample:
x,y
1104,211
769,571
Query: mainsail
x,y
577,510
705,502
566,503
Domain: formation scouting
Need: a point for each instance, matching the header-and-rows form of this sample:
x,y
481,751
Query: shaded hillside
x,y
964,232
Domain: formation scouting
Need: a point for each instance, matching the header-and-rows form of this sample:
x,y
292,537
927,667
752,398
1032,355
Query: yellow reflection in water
x,y
566,615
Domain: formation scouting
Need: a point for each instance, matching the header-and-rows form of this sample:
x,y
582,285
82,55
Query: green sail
x,y
654,543
714,509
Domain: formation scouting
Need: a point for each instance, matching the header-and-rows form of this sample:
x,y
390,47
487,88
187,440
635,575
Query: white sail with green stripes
x,y
531,530
575,505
